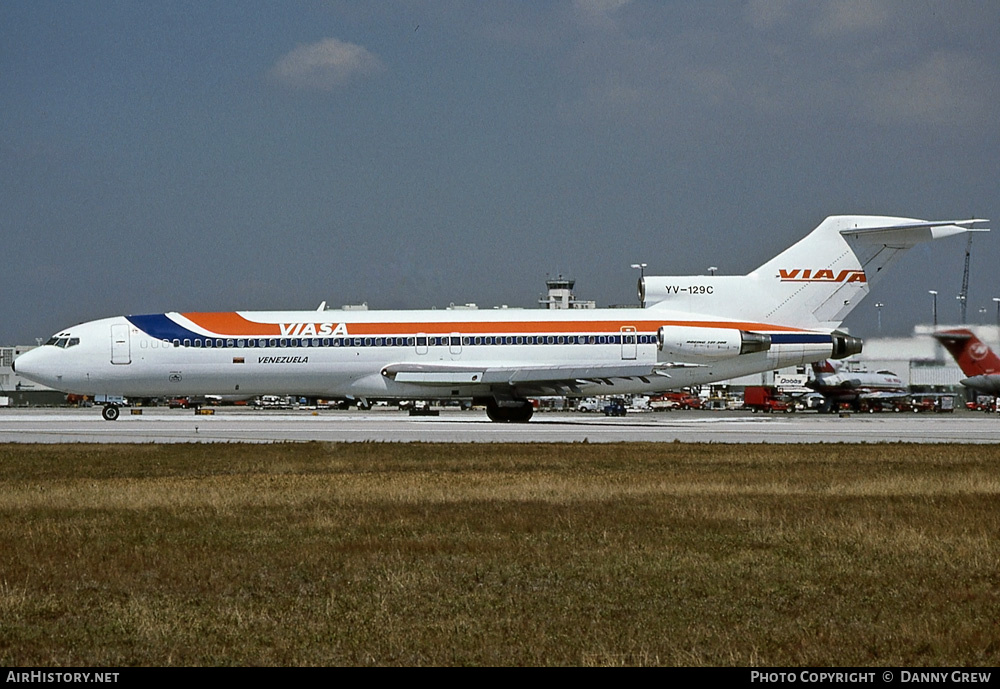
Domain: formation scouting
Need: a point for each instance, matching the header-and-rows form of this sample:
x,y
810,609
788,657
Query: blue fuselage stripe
x,y
800,338
158,326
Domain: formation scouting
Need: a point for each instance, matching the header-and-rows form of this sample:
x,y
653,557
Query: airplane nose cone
x,y
32,365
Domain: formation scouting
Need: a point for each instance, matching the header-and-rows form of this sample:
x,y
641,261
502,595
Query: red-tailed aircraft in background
x,y
977,361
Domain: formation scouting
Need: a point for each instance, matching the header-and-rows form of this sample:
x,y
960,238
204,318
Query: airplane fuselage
x,y
693,330
404,354
848,386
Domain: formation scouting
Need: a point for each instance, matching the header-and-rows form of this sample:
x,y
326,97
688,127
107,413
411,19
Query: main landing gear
x,y
509,411
110,412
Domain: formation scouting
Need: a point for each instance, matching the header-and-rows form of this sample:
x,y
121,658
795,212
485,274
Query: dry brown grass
x,y
631,554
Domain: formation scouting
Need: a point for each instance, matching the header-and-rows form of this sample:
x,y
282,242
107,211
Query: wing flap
x,y
438,377
457,374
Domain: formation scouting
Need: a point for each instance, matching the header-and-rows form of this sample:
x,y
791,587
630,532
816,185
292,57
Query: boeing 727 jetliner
x,y
858,388
691,330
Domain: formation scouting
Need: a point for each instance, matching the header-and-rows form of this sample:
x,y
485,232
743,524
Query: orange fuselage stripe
x,y
231,324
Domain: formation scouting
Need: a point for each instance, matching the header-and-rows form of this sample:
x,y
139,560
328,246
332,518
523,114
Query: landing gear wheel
x,y
520,413
110,412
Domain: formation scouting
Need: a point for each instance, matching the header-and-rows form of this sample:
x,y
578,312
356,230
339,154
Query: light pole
x,y
961,303
641,267
712,269
933,293
879,305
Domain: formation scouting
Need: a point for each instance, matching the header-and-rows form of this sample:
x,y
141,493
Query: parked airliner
x,y
690,330
838,385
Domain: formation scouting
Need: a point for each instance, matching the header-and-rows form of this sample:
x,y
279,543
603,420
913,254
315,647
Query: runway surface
x,y
160,425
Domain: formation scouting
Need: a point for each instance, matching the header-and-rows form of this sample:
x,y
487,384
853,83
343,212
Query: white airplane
x,y
691,330
841,386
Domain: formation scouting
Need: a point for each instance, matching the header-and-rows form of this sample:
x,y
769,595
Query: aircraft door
x,y
629,342
455,343
121,351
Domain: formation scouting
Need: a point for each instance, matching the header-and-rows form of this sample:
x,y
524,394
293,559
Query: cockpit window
x,y
62,341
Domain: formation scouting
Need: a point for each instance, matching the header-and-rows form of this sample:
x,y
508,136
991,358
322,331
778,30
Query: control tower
x,y
560,295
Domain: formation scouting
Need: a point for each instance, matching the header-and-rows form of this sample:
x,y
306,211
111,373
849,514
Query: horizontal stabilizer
x,y
921,224
907,234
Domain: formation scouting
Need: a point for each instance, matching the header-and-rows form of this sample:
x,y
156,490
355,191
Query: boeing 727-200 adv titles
x,y
691,330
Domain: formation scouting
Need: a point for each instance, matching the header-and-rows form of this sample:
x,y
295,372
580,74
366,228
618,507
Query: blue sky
x,y
198,156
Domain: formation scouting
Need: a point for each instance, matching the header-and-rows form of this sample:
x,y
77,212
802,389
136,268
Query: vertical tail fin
x,y
823,367
814,283
825,276
971,354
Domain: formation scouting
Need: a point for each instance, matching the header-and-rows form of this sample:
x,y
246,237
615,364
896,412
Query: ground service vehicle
x,y
764,398
675,400
615,407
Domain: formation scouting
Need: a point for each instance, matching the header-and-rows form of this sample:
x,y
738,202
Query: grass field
x,y
421,554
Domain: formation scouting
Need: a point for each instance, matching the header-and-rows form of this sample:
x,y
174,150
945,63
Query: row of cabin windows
x,y
421,341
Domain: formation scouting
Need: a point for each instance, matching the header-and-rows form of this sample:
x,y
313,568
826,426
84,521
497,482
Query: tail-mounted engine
x,y
845,345
695,343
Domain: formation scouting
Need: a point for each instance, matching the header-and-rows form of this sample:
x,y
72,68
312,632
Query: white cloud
x,y
765,14
852,17
944,88
325,65
599,7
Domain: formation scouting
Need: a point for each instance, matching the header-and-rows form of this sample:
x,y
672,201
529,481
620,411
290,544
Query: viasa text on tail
x,y
690,330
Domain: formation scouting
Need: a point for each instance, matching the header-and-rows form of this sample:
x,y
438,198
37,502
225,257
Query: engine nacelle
x,y
845,345
708,344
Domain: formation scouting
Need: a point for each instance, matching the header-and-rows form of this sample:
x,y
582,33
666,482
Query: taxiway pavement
x,y
160,425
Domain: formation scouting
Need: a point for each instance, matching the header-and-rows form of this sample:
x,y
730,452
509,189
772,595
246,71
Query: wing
x,y
883,395
526,378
